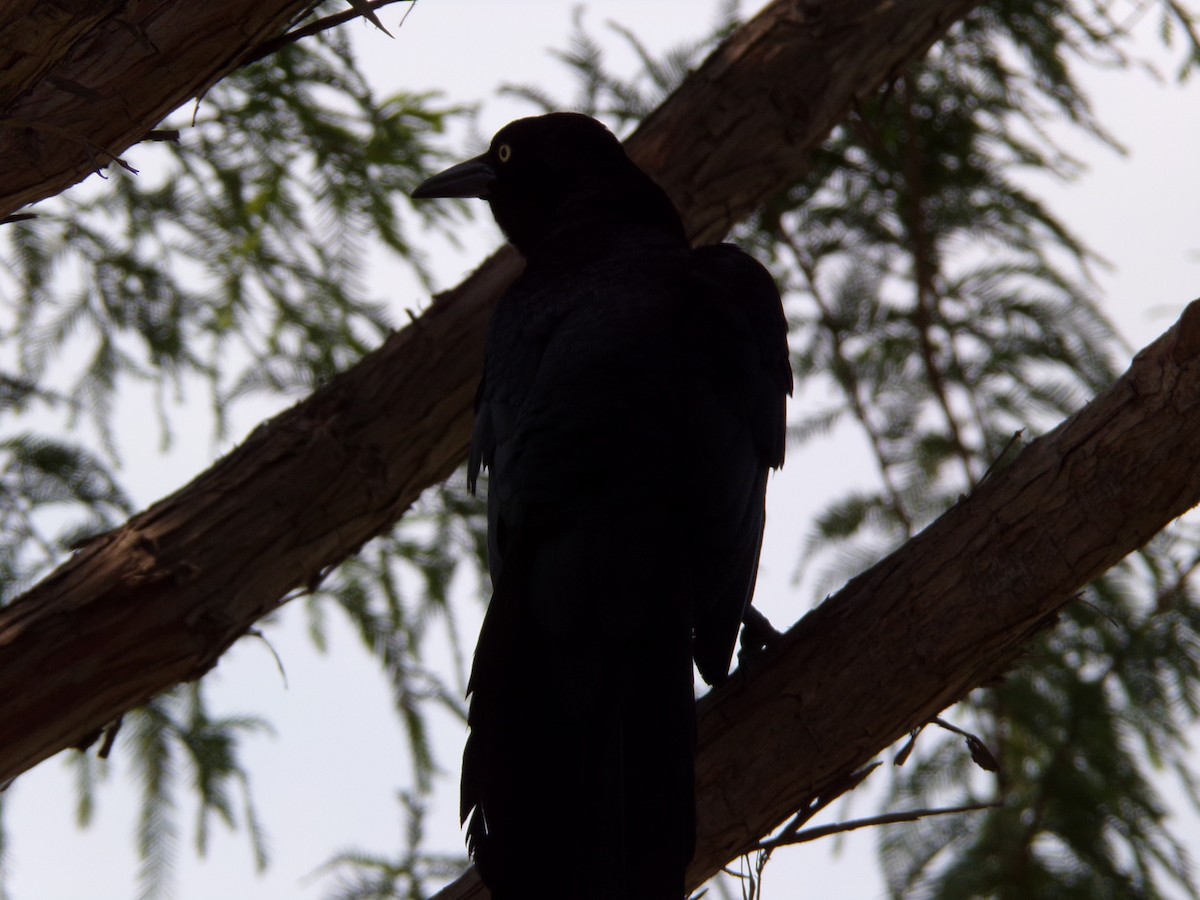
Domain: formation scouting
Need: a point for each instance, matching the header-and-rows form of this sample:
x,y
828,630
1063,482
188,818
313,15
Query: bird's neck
x,y
553,223
572,239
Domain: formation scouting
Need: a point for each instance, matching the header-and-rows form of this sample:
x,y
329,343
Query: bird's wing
x,y
582,703
483,438
737,333
629,435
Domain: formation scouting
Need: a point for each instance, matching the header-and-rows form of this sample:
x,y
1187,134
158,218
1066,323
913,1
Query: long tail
x,y
578,773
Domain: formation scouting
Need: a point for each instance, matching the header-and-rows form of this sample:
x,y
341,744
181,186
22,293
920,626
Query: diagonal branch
x,y
160,599
82,82
895,818
361,9
948,611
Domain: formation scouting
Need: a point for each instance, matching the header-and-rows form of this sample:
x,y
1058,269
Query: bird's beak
x,y
472,178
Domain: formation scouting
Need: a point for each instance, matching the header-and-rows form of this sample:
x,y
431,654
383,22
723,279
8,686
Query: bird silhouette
x,y
632,403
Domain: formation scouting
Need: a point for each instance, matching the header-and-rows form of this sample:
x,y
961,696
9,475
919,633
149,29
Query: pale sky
x,y
327,781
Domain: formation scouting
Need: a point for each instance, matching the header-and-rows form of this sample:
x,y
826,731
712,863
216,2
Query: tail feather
x,y
578,787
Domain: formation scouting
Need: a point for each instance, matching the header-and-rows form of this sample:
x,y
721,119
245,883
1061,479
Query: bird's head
x,y
556,174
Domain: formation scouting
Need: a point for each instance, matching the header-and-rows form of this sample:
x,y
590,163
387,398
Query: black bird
x,y
632,403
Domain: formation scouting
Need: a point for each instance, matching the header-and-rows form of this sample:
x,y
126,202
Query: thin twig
x,y
1013,439
110,737
169,135
275,44
980,754
839,789
812,834
58,131
256,633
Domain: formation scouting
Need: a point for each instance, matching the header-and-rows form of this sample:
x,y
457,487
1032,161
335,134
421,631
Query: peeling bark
x,y
83,80
157,601
948,611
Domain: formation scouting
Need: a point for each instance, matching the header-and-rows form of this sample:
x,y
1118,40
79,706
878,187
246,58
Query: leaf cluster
x,y
941,314
233,263
938,310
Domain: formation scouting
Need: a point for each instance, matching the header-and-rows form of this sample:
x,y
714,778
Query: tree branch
x,y
363,9
82,82
948,611
896,818
159,600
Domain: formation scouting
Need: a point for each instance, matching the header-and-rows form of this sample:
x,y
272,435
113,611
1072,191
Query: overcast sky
x,y
327,781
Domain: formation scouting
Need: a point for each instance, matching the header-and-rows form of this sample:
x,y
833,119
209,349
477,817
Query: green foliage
x,y
396,594
234,262
364,877
1098,706
239,257
938,309
604,94
41,480
394,590
171,736
942,312
175,729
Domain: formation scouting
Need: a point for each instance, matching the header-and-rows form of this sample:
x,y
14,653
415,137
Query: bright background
x,y
326,781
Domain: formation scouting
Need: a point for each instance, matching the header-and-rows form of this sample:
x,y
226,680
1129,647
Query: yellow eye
x,y
504,153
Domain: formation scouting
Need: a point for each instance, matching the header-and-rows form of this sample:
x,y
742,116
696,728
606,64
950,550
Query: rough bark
x,y
157,601
948,611
82,80
953,607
